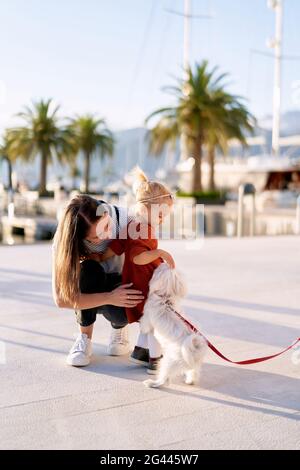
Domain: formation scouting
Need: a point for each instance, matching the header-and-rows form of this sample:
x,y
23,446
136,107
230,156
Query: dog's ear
x,y
179,284
167,282
159,280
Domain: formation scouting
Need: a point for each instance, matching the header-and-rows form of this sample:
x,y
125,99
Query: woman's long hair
x,y
73,227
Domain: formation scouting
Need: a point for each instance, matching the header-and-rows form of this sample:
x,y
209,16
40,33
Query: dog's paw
x,y
191,378
189,381
148,383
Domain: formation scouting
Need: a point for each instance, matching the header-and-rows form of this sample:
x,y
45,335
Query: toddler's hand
x,y
168,258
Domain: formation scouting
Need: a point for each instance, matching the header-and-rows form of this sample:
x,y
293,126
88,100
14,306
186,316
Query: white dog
x,y
183,350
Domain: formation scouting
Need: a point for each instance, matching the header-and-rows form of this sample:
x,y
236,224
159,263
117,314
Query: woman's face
x,y
100,230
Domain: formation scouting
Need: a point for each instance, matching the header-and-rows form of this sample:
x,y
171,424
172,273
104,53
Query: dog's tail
x,y
193,349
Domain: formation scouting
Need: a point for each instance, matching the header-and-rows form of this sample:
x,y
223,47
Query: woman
x,y
81,282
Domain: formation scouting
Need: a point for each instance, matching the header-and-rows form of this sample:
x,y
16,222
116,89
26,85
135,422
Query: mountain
x,y
290,123
289,126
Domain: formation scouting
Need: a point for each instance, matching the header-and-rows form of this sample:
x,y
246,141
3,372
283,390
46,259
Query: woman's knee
x,y
115,315
86,317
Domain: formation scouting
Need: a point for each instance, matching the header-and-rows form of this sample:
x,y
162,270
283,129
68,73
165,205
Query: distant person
x,y
82,282
294,185
60,200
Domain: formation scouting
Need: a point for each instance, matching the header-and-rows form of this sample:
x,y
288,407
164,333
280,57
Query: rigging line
x,y
271,55
206,17
249,76
161,50
141,54
291,57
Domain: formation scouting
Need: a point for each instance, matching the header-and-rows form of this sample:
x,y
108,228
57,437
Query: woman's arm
x,y
122,296
148,256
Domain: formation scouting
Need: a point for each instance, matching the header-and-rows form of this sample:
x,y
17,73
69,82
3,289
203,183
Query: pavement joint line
x,y
237,426
35,401
61,397
172,443
246,406
212,407
87,412
100,410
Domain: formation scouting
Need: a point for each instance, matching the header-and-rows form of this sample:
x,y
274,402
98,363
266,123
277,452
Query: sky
x,y
112,57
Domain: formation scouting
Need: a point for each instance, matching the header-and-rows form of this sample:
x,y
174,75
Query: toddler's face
x,y
158,212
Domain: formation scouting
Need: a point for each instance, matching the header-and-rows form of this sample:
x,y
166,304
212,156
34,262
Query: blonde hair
x,y
147,191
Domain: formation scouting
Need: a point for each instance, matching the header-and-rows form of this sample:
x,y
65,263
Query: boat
x,y
276,180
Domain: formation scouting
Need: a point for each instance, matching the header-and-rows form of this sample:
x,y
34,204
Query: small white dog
x,y
183,350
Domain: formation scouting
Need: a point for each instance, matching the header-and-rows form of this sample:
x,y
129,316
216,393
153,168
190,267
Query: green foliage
x,y
41,135
204,112
89,135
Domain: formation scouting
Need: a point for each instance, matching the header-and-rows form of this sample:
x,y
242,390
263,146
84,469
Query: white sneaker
x,y
81,351
119,342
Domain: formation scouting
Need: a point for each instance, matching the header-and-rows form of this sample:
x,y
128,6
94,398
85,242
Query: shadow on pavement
x,y
244,305
260,388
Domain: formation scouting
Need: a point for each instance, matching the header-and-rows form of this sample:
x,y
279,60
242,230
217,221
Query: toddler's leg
x,y
142,341
140,354
155,350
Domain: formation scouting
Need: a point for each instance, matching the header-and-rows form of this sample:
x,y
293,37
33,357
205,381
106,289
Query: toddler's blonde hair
x,y
147,191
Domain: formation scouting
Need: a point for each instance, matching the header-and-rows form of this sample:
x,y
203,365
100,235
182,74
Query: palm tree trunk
x,y
9,168
74,178
211,160
43,173
197,171
87,173
73,174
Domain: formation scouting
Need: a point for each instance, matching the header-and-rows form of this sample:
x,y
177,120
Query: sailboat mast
x,y
186,59
277,5
186,36
186,64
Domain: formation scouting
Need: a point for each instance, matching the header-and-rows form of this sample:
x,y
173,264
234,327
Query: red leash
x,y
241,363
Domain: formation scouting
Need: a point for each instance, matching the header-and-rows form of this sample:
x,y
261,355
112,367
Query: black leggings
x,y
94,279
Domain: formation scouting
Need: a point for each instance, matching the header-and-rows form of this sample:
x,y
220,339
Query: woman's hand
x,y
122,296
167,257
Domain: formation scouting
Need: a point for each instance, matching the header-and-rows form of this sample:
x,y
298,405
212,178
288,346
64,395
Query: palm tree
x,y
40,135
196,112
90,136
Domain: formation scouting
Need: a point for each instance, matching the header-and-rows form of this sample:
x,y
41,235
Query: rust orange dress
x,y
139,275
